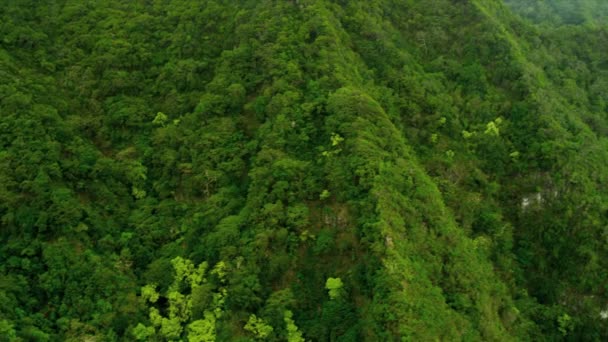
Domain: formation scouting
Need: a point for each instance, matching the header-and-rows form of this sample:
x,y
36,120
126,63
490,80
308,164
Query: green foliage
x,y
142,332
160,119
446,159
334,287
492,129
258,327
148,293
7,330
293,334
181,320
564,324
203,330
336,139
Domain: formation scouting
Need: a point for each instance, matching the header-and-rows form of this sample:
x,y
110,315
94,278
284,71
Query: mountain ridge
x,y
312,169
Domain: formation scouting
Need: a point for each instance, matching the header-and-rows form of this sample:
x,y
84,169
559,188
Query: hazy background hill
x,y
562,12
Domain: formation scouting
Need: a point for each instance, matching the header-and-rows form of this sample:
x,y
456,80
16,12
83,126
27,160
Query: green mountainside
x,y
562,12
304,170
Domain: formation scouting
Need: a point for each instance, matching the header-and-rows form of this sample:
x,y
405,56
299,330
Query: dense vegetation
x,y
319,170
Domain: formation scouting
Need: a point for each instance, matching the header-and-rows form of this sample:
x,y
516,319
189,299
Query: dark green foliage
x,y
383,170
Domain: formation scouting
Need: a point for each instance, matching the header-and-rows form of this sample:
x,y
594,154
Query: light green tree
x,y
258,327
142,332
492,128
336,139
179,323
160,119
293,334
565,324
334,286
202,330
7,329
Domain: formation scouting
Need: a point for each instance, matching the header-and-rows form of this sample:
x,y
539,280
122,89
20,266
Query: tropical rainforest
x,y
304,170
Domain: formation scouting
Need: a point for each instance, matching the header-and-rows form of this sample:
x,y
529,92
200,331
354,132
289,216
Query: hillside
x,y
319,170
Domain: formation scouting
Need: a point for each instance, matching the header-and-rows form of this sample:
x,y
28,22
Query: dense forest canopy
x,y
306,170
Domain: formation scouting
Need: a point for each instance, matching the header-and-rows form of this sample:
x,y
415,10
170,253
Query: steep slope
x,y
328,170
